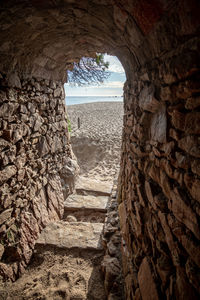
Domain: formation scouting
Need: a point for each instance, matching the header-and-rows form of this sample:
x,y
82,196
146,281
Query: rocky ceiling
x,y
42,38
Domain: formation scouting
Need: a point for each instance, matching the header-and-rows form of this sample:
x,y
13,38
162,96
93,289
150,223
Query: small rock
x,y
71,219
5,215
1,250
7,173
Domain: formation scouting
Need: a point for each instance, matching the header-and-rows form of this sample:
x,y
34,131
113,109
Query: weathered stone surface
x,y
146,281
147,100
192,249
184,213
149,194
169,239
195,166
192,103
1,250
158,45
72,235
5,215
94,186
191,145
7,109
183,289
98,203
14,80
159,125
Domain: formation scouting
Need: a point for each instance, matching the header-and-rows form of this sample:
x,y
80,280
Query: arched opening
x,y
95,112
158,190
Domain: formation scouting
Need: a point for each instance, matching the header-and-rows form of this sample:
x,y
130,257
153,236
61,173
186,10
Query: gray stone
x,y
147,100
7,173
14,81
159,125
72,235
93,186
43,147
57,92
80,202
7,109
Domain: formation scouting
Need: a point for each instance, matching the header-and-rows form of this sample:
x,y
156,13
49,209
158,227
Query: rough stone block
x,y
191,145
146,281
184,213
158,125
72,235
147,100
7,173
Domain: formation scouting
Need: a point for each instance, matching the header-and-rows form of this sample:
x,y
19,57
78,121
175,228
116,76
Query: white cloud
x,y
108,84
114,64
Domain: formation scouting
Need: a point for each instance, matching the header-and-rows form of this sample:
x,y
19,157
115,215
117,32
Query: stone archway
x,y
158,45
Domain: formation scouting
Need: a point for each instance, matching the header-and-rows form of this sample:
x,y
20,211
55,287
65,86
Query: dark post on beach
x,y
79,123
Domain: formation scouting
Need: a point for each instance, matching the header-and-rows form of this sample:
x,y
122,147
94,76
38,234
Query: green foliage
x,y
89,71
10,236
69,125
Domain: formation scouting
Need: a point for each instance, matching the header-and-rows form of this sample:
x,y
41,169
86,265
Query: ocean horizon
x,y
73,100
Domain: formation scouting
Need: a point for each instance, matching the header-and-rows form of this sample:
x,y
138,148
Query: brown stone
x,y
165,94
192,102
184,289
181,160
184,213
192,123
192,249
195,166
43,147
178,120
193,186
174,134
5,215
190,144
7,173
193,274
1,250
150,195
173,247
123,217
147,100
147,282
6,272
140,194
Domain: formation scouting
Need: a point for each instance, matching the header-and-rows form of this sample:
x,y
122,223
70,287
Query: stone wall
x,y
158,44
159,185
36,165
112,261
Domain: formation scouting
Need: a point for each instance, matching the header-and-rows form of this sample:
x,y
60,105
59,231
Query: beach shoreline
x,y
96,140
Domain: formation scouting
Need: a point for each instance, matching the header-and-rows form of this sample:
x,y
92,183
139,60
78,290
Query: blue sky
x,y
113,86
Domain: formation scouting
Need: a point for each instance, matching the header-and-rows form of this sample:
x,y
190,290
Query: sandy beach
x,y
97,143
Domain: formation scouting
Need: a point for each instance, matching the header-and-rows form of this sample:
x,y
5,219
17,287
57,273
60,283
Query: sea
x,y
72,100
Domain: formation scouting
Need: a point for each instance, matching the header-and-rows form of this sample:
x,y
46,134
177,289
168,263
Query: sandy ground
x,y
64,274
56,274
97,143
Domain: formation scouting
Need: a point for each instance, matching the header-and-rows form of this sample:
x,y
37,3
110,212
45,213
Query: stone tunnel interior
x,y
158,191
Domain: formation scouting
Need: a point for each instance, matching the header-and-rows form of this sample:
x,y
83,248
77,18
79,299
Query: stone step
x,y
85,186
72,235
84,216
87,203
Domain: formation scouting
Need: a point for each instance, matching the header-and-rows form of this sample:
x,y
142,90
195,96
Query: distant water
x,y
71,100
